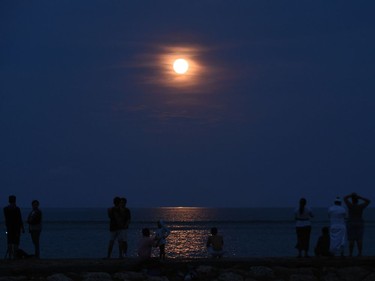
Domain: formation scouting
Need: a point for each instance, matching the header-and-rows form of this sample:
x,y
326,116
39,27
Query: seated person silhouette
x,y
215,243
322,246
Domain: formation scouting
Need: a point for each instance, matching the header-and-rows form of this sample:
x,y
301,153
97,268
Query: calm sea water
x,y
248,232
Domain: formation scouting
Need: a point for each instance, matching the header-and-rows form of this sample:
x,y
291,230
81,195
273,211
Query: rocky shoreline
x,y
239,269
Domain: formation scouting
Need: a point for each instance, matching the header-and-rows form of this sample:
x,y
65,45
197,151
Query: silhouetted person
x,y
161,238
14,226
355,220
145,244
116,222
337,231
35,226
215,244
323,244
124,225
303,227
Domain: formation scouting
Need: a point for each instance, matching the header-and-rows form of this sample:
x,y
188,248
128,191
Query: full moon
x,y
180,66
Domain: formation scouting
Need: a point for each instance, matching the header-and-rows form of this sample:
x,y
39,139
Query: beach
x,y
231,269
260,245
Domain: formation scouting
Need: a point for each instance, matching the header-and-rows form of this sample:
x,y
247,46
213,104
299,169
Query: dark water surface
x,y
258,232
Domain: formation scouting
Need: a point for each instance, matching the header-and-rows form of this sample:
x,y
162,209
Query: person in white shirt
x,y
337,215
302,215
161,235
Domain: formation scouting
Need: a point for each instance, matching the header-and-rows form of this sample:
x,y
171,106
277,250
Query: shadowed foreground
x,y
361,269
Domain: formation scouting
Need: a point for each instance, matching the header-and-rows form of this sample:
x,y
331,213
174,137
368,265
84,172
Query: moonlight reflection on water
x,y
187,243
187,238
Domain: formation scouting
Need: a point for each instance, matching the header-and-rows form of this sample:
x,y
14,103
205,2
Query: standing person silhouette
x,y
124,225
161,235
302,215
115,227
35,226
337,230
355,221
14,226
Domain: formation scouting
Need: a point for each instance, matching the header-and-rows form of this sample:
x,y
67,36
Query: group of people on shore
x,y
345,224
120,217
119,220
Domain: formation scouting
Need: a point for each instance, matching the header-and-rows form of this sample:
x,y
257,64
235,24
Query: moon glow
x,y
180,66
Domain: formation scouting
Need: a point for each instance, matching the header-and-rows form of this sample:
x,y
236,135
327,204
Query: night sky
x,y
278,102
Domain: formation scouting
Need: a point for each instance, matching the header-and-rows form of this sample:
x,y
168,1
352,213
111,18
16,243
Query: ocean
x,y
248,232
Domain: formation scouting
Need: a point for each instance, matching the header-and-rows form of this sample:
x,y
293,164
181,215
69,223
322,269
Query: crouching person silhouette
x,y
215,243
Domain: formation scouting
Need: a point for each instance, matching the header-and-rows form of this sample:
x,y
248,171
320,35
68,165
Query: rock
x,y
331,276
303,271
191,275
370,277
302,277
249,279
157,278
58,277
205,269
13,278
261,272
352,273
130,275
282,272
230,276
188,277
97,276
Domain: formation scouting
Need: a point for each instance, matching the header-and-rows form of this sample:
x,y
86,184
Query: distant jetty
x,y
231,269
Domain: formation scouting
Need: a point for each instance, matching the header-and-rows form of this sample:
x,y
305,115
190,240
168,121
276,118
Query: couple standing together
x,y
120,217
14,227
338,230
